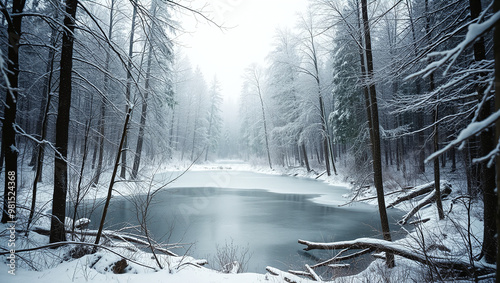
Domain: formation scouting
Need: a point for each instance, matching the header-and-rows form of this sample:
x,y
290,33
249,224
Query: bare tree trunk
x,y
128,87
257,84
41,148
324,134
418,116
265,127
113,176
186,129
488,184
9,134
144,112
496,42
80,177
43,104
332,149
102,115
171,133
209,131
195,128
306,160
377,162
57,231
437,173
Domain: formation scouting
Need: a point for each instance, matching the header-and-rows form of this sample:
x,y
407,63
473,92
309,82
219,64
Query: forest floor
x,y
457,237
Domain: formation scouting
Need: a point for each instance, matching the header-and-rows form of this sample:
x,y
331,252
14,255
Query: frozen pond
x,y
266,213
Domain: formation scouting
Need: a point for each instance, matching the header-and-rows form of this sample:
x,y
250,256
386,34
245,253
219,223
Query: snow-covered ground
x,y
442,237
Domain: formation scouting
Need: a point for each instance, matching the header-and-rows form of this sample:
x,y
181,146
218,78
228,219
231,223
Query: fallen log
x,y
339,265
320,175
60,244
430,198
419,221
288,277
339,258
415,192
454,263
313,274
388,194
111,235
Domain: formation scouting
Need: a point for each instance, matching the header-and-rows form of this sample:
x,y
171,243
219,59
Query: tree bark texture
x,y
113,176
102,115
57,231
437,172
377,160
144,112
496,42
128,89
9,149
488,183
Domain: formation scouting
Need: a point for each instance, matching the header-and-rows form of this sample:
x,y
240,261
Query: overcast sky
x,y
248,38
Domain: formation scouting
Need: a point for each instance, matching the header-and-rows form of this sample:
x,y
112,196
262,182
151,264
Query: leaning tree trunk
x,y
9,148
257,82
324,127
128,88
377,159
265,129
324,132
57,231
113,176
144,112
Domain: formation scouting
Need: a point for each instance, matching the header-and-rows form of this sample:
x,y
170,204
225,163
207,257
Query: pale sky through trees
x,y
247,39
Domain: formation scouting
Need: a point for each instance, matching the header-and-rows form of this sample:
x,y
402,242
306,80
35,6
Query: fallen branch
x,y
417,191
339,258
419,221
299,273
339,265
400,250
313,274
111,235
60,244
388,194
288,277
310,273
195,263
430,198
320,175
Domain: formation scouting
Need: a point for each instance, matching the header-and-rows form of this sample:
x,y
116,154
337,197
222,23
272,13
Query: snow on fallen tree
x,y
340,257
111,235
377,245
428,199
286,276
415,192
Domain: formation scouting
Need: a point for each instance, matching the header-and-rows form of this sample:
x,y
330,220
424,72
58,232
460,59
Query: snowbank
x,y
441,237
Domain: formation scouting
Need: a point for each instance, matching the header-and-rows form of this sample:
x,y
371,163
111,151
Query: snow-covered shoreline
x,y
179,270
